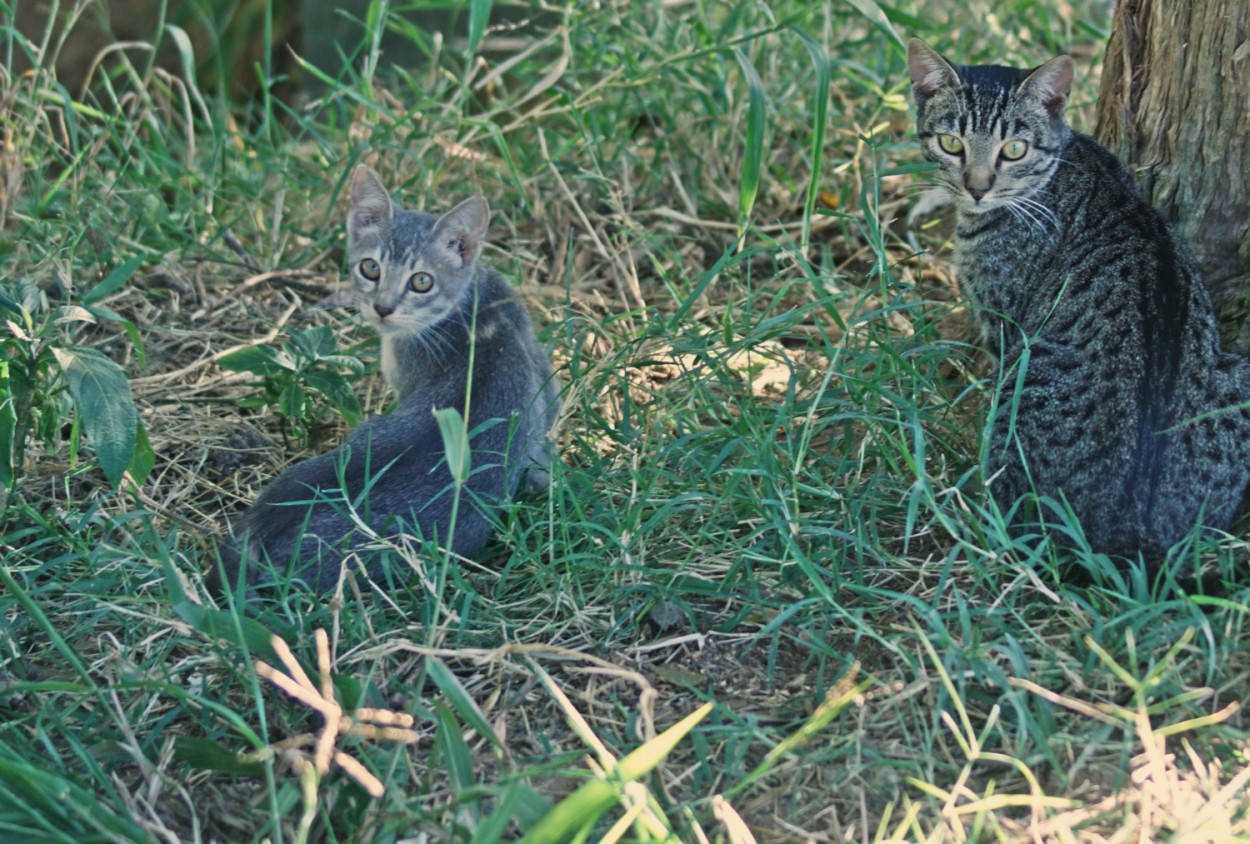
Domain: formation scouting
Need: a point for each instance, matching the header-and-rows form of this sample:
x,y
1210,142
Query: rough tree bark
x,y
1174,105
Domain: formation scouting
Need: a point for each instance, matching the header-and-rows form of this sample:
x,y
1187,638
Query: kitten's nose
x,y
382,310
977,193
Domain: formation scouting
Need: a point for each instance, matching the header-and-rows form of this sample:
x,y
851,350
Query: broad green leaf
x,y
144,458
292,403
460,699
113,281
102,402
323,344
312,343
32,299
479,17
214,623
455,443
10,305
72,313
220,624
338,392
456,761
207,755
258,360
351,364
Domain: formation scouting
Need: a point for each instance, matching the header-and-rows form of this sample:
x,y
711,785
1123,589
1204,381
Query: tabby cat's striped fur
x,y
1078,283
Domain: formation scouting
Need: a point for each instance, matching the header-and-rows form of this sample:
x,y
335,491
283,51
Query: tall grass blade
x,y
873,12
479,17
753,150
455,442
461,701
584,807
820,124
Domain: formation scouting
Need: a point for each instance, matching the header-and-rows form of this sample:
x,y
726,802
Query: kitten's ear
x,y
1050,84
371,202
930,72
458,234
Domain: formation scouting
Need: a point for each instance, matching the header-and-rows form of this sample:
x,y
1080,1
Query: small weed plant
x,y
49,382
301,379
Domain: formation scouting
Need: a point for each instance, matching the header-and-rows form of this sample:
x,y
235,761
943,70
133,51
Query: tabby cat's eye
x,y
420,282
370,269
1015,149
951,144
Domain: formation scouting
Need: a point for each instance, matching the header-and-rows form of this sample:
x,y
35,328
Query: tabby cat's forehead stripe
x,y
984,100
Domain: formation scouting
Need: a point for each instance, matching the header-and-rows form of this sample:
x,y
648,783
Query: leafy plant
x,y
307,363
39,369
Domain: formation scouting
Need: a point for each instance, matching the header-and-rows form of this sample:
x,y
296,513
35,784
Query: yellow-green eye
x,y
1015,149
370,269
951,144
420,282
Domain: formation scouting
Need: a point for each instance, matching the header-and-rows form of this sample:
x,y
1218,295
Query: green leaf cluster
x,y
308,364
47,380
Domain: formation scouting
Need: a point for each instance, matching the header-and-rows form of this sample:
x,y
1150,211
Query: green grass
x,y
769,495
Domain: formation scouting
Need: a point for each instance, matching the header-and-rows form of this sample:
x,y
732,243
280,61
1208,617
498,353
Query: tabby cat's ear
x,y
458,235
1050,84
371,202
930,72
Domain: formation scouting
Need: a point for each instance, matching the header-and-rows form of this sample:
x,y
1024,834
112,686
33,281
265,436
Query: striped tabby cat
x,y
1109,357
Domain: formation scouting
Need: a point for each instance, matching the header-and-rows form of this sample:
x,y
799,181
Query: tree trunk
x,y
1174,105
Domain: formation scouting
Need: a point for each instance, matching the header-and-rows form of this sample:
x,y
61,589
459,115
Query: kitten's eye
x,y
1014,150
370,269
951,144
420,282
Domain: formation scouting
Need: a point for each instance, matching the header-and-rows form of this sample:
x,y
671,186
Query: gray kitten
x,y
454,335
1107,343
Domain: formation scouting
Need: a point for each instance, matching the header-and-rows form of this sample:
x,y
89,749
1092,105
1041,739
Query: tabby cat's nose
x,y
382,310
978,184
